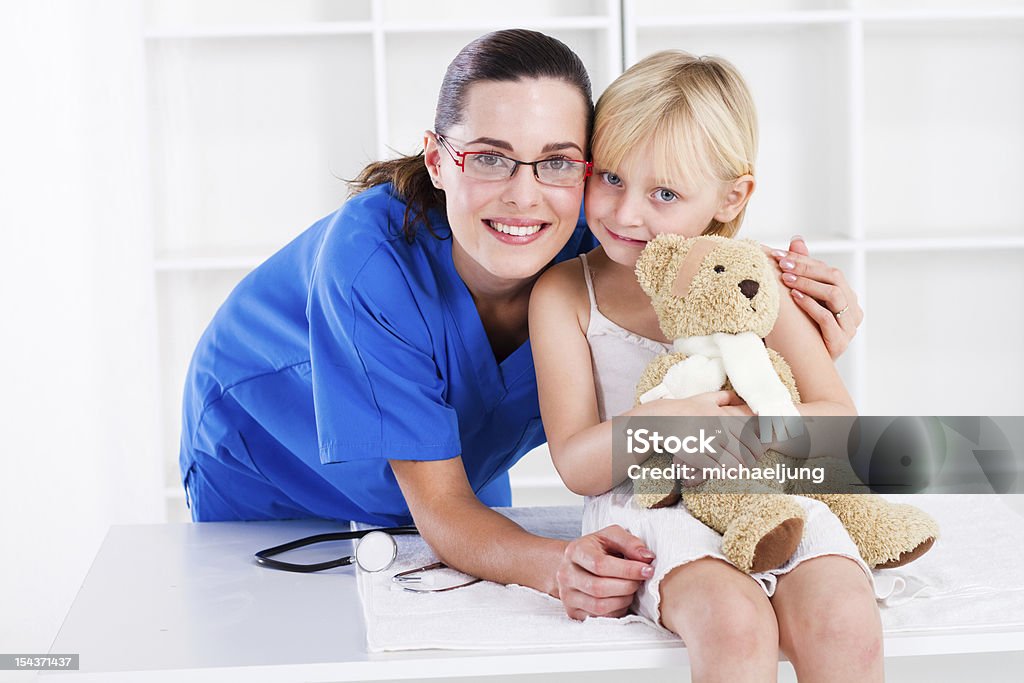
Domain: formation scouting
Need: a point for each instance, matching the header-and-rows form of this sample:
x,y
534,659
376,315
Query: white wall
x,y
77,408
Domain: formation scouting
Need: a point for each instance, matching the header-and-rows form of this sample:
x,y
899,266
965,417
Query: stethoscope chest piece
x,y
376,551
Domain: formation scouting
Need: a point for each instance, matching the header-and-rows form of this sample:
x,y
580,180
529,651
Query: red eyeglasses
x,y
488,166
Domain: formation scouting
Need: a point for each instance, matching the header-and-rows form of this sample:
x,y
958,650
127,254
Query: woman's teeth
x,y
516,230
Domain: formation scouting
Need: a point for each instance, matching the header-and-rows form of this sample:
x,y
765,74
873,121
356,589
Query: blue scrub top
x,y
347,348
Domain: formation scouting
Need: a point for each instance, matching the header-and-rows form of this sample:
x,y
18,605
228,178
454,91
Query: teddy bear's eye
x,y
719,269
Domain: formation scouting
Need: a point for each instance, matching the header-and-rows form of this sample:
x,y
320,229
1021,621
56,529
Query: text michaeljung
x,y
681,471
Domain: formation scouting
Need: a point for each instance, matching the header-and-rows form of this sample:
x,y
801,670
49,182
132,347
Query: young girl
x,y
674,144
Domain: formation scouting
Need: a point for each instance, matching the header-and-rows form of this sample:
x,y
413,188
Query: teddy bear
x,y
717,298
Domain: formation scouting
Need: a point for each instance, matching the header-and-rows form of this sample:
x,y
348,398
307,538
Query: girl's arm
x,y
581,445
822,391
799,340
559,311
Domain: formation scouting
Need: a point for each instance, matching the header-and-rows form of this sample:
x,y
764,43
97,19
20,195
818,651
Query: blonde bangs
x,y
692,115
682,153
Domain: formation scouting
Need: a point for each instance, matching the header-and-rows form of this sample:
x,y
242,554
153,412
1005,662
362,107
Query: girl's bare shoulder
x,y
561,291
564,281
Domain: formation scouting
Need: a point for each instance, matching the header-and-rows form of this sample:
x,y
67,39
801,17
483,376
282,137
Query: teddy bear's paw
x,y
775,549
655,492
652,501
903,534
908,556
765,536
659,493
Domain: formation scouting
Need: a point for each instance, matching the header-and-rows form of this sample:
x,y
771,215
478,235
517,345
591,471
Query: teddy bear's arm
x,y
690,377
655,372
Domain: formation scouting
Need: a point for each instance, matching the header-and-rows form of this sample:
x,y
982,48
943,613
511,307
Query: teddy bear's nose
x,y
749,288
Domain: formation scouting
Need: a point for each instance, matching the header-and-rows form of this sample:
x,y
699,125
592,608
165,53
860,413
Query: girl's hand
x,y
600,572
708,404
732,448
822,292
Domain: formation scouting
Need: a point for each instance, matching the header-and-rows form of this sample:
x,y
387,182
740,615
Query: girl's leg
x,y
829,626
724,618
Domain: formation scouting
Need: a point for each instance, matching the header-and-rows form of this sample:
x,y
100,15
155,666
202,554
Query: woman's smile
x,y
516,230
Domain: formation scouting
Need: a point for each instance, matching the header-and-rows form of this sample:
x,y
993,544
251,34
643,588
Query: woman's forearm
x,y
469,536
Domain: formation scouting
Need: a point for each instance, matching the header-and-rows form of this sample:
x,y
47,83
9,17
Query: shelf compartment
x,y
235,122
418,63
500,14
478,27
667,12
961,85
930,9
228,31
967,300
185,16
799,79
311,29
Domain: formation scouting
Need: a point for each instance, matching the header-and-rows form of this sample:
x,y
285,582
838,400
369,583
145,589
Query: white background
x,y
96,189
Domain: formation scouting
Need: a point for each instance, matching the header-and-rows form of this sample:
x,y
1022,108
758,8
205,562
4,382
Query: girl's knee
x,y
828,600
850,636
740,618
845,618
720,606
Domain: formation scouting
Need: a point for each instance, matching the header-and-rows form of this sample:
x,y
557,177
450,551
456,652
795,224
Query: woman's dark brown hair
x,y
509,55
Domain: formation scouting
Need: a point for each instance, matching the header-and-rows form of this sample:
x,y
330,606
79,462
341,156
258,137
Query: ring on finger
x,y
839,314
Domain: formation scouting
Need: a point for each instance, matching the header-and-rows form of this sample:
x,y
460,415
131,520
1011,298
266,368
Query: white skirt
x,y
676,538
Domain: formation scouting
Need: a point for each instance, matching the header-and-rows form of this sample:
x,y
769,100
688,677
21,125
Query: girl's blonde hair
x,y
697,112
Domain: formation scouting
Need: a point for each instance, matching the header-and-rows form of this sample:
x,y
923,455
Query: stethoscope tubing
x,y
266,559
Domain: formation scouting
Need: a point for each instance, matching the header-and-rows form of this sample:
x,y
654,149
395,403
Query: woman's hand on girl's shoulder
x,y
822,292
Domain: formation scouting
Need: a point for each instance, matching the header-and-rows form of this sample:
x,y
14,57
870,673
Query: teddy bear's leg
x,y
887,534
760,531
652,492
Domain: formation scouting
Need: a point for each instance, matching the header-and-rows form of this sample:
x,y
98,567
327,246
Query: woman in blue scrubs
x,y
377,368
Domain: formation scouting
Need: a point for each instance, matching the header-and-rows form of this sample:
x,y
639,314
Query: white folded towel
x,y
487,615
972,578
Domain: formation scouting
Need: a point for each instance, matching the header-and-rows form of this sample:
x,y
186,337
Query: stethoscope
x,y
375,551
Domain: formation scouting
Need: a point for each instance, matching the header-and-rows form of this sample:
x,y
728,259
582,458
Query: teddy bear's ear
x,y
754,244
655,269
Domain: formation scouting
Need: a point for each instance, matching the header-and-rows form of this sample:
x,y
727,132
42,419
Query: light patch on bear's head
x,y
701,287
690,266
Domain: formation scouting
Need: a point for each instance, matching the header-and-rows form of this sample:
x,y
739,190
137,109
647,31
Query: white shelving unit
x,y
891,138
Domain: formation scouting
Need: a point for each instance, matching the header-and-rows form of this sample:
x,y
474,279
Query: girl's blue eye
x,y
611,179
666,195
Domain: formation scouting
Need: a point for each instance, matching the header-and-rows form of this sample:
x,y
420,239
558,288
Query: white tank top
x,y
618,355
